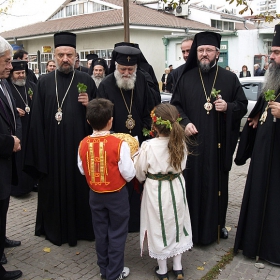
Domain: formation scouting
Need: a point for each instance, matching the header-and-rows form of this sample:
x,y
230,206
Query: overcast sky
x,y
24,12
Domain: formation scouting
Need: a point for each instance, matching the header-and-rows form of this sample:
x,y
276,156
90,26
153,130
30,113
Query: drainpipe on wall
x,y
165,42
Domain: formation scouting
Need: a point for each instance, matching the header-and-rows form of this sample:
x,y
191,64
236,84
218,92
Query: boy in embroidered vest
x,y
105,161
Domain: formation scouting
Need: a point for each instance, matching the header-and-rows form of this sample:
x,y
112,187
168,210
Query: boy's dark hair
x,y
99,112
19,54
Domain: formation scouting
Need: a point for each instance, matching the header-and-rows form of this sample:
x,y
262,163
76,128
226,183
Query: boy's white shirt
x,y
125,164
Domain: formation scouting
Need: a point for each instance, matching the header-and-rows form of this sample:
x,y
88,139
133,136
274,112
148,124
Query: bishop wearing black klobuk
x,y
20,89
144,67
139,99
207,167
63,213
259,221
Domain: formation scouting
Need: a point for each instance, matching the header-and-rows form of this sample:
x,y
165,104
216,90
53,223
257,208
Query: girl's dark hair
x,y
177,137
99,112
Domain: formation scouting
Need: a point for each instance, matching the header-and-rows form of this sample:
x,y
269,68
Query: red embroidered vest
x,y
100,157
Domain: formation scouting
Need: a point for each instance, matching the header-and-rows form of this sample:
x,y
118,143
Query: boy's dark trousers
x,y
110,216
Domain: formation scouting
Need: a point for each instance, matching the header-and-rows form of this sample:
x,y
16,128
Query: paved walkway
x,y
73,263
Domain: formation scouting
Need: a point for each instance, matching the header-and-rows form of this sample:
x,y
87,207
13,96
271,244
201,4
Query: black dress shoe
x,y
224,233
11,243
161,276
179,274
11,275
3,259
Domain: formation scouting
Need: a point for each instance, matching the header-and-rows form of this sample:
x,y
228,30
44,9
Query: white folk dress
x,y
165,226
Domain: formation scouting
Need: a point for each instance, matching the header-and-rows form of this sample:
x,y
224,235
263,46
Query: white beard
x,y
97,79
125,83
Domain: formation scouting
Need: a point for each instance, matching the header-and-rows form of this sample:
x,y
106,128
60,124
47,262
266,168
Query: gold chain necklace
x,y
264,114
208,106
58,114
27,108
130,122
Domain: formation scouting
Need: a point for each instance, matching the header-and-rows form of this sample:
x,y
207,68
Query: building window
x,y
105,54
224,25
44,59
82,8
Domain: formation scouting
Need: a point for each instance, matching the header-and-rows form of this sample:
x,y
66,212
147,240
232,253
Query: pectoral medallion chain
x,y
130,122
27,108
58,114
264,114
208,105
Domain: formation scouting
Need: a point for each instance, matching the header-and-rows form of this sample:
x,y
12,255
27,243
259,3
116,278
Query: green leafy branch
x,y
82,87
269,95
215,93
30,92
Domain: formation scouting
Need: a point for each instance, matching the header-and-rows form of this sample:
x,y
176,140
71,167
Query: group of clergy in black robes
x,y
56,126
213,123
54,133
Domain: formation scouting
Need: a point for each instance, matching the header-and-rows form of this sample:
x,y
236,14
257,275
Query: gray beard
x,y
272,77
97,80
65,71
205,67
19,83
126,84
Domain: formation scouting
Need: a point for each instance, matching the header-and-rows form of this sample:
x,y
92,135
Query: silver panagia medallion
x,y
58,115
27,109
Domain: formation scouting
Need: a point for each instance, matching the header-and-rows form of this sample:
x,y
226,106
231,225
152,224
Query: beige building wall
x,y
150,43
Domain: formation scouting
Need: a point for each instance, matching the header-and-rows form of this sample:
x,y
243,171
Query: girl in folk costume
x,y
165,227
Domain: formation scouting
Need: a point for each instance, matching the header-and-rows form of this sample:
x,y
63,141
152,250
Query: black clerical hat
x,y
91,56
65,39
276,37
126,44
99,61
208,38
19,65
126,55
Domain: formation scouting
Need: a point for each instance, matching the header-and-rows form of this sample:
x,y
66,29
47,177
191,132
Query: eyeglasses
x,y
275,52
208,51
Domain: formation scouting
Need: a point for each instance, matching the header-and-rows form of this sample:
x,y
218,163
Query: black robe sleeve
x,y
248,135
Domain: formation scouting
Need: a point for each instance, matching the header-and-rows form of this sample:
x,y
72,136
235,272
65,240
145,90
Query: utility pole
x,y
126,20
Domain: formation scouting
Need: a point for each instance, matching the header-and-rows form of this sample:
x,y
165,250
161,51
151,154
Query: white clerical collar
x,y
100,133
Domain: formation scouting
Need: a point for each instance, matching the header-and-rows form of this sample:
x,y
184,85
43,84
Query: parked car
x,y
165,97
252,87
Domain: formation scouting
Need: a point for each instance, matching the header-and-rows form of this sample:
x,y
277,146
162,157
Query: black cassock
x,y
202,171
21,97
256,143
142,104
63,213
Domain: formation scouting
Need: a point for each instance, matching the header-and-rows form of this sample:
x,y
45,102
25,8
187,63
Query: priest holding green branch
x,y
259,221
57,125
211,102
